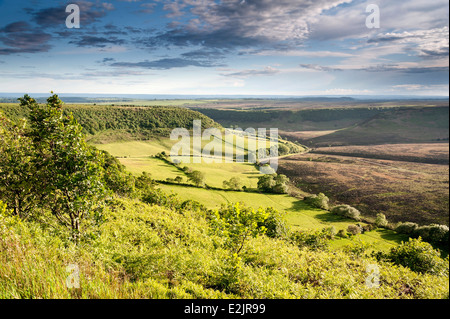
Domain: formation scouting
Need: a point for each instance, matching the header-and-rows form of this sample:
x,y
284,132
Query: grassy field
x,y
299,215
136,157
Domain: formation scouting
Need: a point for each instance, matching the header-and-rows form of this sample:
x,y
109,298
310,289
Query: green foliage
x,y
2,208
437,234
144,182
357,247
197,177
233,184
68,169
406,228
381,220
151,252
155,196
116,177
419,256
18,184
354,230
347,211
47,164
237,223
315,240
319,201
275,183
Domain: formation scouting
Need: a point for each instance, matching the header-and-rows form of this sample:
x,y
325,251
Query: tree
x,y
197,177
266,183
273,184
17,173
233,184
238,223
69,171
179,179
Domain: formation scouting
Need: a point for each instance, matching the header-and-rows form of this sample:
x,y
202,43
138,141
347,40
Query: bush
x,y
275,223
342,233
419,256
437,234
319,201
368,227
315,240
347,211
381,220
354,230
406,228
155,196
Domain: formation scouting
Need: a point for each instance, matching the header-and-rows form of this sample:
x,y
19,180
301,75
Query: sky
x,y
226,47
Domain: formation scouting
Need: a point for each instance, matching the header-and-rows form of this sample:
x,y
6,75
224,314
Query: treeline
x,y
98,118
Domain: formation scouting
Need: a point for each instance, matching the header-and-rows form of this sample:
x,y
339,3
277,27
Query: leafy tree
x,y
273,184
266,183
179,179
17,171
197,177
116,178
237,223
144,181
234,184
68,169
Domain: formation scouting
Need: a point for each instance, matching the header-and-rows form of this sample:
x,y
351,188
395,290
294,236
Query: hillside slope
x,y
113,123
404,125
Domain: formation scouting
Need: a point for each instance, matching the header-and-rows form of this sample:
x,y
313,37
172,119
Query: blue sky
x,y
249,47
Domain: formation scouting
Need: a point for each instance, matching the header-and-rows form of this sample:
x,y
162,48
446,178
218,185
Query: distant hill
x,y
403,125
293,120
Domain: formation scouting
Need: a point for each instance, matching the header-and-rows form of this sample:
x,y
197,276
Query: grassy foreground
x,y
143,251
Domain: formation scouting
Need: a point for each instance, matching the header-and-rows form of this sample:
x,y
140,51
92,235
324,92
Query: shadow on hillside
x,y
321,215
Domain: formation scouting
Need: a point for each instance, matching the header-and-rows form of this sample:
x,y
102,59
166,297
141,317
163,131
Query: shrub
x,y
433,233
354,230
155,196
406,228
342,233
315,240
381,220
193,206
275,223
347,211
419,256
369,227
319,201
